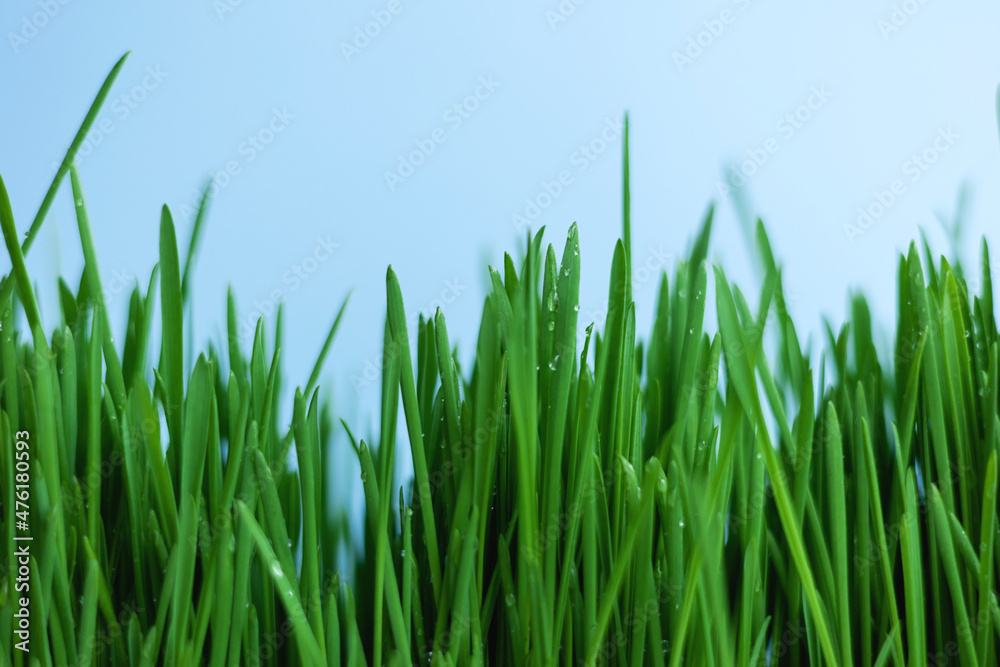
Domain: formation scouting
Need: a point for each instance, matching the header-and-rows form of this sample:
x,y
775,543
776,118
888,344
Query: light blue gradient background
x,y
323,176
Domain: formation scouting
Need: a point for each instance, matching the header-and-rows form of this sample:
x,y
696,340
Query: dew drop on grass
x,y
509,599
550,303
552,325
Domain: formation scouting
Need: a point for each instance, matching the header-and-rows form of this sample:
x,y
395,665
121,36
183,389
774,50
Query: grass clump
x,y
616,502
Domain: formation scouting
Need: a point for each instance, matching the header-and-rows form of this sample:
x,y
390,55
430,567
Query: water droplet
x,y
576,308
681,523
550,303
510,599
552,325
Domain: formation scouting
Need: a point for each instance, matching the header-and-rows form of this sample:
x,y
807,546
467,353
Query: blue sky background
x,y
894,77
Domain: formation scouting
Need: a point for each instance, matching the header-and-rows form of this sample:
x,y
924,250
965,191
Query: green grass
x,y
626,502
